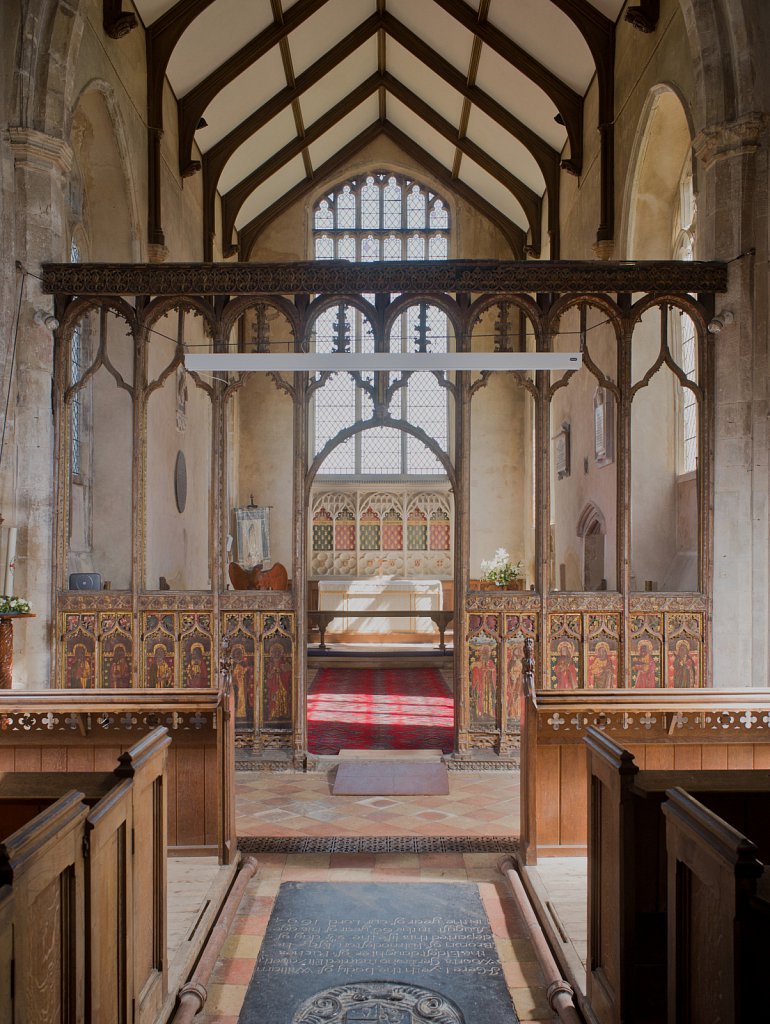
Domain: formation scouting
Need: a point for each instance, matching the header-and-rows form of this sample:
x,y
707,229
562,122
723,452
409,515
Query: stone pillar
x,y
42,164
733,222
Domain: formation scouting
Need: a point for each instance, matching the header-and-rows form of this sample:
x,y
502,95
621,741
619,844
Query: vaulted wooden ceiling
x,y
486,94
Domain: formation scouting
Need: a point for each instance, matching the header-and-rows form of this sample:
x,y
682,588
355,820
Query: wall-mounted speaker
x,y
85,581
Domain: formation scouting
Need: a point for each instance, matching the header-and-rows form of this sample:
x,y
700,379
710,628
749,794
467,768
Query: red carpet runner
x,y
379,709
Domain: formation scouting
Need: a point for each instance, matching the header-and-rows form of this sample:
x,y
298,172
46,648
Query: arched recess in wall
x,y
49,47
102,192
655,173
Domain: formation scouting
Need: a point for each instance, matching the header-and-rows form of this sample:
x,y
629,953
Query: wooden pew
x,y
43,862
627,882
663,729
112,887
718,923
6,951
86,731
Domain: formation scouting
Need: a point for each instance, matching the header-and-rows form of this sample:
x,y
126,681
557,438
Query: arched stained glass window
x,y
381,216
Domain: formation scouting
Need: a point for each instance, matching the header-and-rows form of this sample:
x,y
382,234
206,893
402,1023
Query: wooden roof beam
x,y
233,200
513,234
546,156
215,159
530,201
567,101
599,33
192,105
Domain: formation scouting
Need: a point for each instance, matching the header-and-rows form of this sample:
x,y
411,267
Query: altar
x,y
380,594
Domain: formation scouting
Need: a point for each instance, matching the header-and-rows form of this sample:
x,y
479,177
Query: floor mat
x,y
390,778
367,708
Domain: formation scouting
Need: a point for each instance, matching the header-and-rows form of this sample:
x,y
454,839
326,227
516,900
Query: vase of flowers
x,y
13,605
501,572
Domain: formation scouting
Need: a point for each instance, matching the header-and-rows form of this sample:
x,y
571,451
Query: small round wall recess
x,y
180,481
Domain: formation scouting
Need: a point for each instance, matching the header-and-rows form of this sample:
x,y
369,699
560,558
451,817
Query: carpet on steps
x,y
379,709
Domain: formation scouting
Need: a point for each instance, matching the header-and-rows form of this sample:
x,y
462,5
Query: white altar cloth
x,y
380,593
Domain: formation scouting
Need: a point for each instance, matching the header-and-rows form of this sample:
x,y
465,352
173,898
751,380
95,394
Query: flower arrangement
x,y
500,569
13,605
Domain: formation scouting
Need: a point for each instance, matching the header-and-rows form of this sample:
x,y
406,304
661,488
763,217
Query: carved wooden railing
x,y
56,730
664,729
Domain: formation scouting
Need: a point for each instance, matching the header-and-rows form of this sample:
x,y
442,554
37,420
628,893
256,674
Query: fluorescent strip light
x,y
312,362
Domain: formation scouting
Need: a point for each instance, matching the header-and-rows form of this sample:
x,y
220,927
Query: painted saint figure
x,y
196,673
644,666
119,671
602,669
564,668
161,669
685,673
484,682
80,669
515,679
242,682
277,682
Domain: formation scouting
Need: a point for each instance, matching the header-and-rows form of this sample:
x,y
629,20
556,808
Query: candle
x,y
10,562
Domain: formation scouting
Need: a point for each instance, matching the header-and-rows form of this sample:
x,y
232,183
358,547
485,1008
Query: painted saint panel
x,y
483,671
602,647
683,650
277,671
117,650
79,661
240,628
645,654
159,650
196,650
565,646
518,628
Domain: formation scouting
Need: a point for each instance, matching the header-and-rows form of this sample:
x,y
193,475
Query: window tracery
x,y
381,216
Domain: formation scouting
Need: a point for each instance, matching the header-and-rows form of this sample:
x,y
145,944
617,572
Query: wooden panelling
x,y
6,951
740,757
687,755
704,729
548,793
199,785
714,756
572,797
86,907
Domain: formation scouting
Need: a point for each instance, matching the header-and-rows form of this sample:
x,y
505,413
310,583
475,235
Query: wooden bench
x,y
628,891
718,916
663,729
83,891
86,731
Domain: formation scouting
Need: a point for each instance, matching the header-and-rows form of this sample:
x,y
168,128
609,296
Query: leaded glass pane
x,y
392,205
324,248
381,203
346,248
324,218
370,205
415,247
438,247
370,249
346,209
439,217
415,208
391,247
381,450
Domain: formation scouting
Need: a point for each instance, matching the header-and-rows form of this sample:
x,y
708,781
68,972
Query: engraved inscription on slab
x,y
380,1002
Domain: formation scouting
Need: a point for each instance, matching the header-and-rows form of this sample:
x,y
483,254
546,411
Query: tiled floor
x,y
287,804
270,804
232,973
